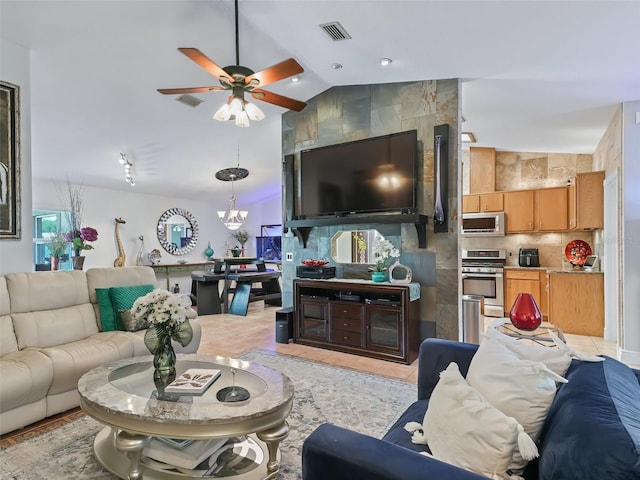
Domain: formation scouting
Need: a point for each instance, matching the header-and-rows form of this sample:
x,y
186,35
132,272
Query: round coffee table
x,y
123,396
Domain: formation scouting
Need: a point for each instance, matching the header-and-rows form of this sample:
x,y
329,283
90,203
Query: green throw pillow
x,y
107,314
123,298
130,323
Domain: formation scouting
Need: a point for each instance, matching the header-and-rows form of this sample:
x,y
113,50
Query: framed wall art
x,y
9,161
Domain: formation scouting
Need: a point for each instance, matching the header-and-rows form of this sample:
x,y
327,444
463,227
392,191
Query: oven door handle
x,y
481,275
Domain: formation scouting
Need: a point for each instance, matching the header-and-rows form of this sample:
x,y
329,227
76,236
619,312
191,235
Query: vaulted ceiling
x,y
536,76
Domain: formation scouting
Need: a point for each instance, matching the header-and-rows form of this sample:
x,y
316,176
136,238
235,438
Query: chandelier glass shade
x,y
234,218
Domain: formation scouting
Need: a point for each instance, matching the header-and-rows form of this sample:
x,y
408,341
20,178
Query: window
x,y
45,224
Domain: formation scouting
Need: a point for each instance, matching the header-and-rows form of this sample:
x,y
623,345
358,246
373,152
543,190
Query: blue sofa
x,y
592,430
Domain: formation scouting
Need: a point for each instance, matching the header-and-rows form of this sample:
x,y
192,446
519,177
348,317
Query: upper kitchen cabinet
x,y
551,206
486,202
518,210
542,210
586,201
482,170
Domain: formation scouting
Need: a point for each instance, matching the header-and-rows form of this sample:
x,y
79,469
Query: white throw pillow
x,y
556,357
522,389
462,429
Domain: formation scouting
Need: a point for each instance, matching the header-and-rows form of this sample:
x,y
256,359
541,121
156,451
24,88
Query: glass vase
x,y
78,262
525,313
164,360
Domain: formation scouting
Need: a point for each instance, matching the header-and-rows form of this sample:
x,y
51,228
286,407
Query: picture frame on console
x,y
9,161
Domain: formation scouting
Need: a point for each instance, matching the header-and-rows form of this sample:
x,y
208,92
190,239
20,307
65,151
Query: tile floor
x,y
231,335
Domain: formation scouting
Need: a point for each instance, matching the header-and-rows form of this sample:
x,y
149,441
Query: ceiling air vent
x,y
189,100
335,31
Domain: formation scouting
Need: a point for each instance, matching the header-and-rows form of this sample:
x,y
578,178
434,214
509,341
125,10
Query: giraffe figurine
x,y
119,262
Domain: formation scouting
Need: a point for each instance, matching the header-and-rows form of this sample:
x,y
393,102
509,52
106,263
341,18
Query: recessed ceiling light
x,y
468,137
295,79
336,66
385,61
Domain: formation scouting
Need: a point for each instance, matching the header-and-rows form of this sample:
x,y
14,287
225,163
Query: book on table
x,y
187,457
194,381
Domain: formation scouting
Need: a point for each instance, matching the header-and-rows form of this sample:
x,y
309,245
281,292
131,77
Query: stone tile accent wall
x,y
343,114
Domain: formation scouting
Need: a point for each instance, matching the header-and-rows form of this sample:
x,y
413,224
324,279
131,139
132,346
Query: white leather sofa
x,y
50,336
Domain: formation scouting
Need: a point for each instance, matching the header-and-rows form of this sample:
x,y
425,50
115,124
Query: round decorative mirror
x,y
177,231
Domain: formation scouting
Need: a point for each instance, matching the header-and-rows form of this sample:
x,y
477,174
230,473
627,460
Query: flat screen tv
x,y
366,176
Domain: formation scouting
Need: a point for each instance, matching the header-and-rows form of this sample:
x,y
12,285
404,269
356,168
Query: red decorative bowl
x,y
309,262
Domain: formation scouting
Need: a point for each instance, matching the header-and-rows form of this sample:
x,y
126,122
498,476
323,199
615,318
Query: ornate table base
x,y
120,452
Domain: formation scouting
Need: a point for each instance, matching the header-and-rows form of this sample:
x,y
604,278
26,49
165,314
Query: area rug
x,y
359,401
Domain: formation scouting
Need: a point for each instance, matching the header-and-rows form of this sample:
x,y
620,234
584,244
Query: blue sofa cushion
x,y
399,436
592,430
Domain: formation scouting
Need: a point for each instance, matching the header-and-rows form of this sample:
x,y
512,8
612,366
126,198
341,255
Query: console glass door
x,y
384,329
313,319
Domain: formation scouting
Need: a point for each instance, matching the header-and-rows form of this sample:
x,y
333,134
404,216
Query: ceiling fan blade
x,y
173,91
205,62
285,69
279,100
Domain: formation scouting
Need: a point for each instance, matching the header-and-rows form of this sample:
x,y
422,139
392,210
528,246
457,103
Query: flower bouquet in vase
x,y
167,316
383,250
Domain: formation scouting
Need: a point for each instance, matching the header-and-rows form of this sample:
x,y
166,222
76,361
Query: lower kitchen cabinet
x,y
375,320
576,302
523,280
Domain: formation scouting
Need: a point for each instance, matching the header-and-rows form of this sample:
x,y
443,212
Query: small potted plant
x,y
57,244
241,237
383,250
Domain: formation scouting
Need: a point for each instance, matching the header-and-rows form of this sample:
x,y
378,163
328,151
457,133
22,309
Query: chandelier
x,y
234,218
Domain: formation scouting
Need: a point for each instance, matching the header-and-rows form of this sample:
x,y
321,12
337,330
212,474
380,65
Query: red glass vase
x,y
525,314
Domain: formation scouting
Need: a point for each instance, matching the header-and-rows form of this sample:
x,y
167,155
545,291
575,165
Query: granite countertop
x,y
551,269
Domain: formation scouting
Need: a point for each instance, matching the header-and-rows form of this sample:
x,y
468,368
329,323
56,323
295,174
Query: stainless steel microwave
x,y
489,224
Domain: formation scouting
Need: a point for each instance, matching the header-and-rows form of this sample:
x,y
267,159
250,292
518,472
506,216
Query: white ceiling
x,y
537,76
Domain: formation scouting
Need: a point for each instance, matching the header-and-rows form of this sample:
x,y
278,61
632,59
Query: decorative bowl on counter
x,y
310,262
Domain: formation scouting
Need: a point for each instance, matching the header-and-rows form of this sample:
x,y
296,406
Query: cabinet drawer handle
x,y
345,324
345,338
345,311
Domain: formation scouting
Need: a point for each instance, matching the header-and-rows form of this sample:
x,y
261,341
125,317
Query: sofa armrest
x,y
339,454
435,355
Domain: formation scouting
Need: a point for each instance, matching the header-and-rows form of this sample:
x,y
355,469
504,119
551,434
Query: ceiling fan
x,y
239,80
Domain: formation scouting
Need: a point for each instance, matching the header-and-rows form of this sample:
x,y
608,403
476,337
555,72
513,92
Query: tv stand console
x,y
302,228
379,320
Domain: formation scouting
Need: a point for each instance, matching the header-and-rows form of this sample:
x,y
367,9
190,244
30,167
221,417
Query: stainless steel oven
x,y
483,274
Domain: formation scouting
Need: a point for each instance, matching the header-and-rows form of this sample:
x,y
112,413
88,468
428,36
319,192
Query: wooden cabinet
x,y
586,201
551,209
526,281
361,318
486,202
482,169
576,302
518,210
542,210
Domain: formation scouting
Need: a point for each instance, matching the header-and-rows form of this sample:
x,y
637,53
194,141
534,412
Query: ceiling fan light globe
x,y
253,111
235,106
242,119
223,113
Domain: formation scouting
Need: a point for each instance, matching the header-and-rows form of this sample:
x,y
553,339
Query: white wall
x,y
630,341
15,255
141,212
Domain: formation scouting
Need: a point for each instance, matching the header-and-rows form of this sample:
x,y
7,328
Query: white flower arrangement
x,y
162,308
383,250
